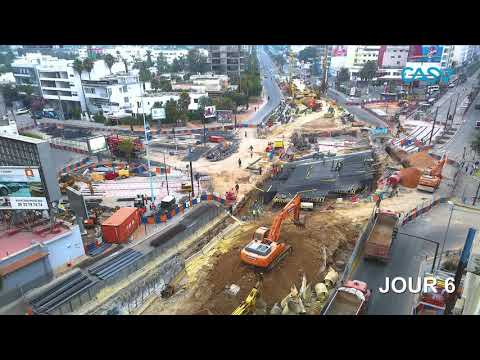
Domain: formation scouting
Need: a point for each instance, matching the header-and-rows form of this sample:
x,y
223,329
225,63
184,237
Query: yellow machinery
x,y
124,173
65,181
248,306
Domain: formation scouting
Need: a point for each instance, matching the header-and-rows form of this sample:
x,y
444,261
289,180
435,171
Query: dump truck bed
x,y
380,240
344,303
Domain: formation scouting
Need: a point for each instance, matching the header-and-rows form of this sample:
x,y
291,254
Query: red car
x,y
111,175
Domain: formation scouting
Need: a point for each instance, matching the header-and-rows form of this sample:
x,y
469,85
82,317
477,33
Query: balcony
x,y
21,75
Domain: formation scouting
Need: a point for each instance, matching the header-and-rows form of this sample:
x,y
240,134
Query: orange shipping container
x,y
118,227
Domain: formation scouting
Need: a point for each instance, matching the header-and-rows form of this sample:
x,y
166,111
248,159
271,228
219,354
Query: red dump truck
x,y
350,299
379,243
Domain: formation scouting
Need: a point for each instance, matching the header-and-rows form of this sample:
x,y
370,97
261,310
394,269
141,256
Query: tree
x,y
149,58
343,75
179,64
126,147
183,104
308,53
196,62
10,94
162,65
475,145
109,61
38,104
88,66
125,63
203,102
368,71
144,75
171,113
78,68
224,103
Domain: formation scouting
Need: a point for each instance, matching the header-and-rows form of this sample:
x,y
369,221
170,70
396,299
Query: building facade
x,y
150,99
18,150
393,56
358,55
230,60
113,93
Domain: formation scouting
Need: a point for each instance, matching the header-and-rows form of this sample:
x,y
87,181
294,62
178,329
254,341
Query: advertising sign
x,y
209,112
339,50
97,144
158,114
425,53
18,185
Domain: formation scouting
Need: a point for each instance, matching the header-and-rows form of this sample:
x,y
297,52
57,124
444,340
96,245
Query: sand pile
x,y
409,177
421,160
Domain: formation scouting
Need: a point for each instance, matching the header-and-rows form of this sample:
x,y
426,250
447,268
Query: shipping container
x,y
120,226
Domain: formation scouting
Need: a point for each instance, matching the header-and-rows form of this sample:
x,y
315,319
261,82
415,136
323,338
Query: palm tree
x,y
109,61
88,66
78,68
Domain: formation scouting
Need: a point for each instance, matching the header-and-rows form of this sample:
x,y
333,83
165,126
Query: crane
x,y
264,251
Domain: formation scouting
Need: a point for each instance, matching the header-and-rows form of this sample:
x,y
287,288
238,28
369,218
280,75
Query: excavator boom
x,y
292,206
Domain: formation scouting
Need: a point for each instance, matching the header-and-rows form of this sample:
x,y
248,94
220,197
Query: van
x,y
433,88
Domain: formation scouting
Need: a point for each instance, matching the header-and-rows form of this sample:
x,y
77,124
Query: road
x,y
270,86
408,252
356,110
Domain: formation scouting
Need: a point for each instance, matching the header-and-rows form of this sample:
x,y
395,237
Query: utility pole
x,y
191,179
61,107
451,206
476,195
455,110
433,126
165,167
448,113
146,145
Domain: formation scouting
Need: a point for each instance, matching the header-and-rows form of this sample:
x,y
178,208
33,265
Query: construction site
x,y
233,219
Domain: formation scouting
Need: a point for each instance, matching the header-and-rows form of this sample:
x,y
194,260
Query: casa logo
x,y
432,76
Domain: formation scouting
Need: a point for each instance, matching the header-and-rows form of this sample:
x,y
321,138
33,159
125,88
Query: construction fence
x,y
163,273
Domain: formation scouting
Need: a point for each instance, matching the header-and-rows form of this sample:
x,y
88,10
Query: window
x,y
398,62
125,99
399,56
195,101
125,88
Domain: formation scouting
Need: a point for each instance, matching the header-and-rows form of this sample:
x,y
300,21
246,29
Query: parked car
x,y
477,106
22,111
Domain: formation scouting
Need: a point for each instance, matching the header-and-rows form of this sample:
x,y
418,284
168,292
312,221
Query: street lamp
x,y
146,144
451,206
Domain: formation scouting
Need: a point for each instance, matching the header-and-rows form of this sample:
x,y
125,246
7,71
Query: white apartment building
x,y
56,81
113,93
150,99
358,55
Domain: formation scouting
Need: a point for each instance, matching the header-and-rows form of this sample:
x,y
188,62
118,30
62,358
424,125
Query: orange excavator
x,y
431,179
265,251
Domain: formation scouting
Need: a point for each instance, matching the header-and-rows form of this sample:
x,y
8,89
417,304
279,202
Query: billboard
x,y
425,53
339,50
209,112
21,188
97,144
158,114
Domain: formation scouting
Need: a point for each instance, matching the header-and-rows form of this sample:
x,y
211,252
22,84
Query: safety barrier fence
x,y
166,271
180,209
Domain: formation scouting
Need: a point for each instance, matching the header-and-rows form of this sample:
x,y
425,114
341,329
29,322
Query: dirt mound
x,y
337,235
421,160
409,177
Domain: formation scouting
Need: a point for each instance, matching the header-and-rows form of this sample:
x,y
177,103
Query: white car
x,y
22,111
452,85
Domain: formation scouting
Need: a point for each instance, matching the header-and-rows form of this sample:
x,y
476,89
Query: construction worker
x,y
245,133
237,187
239,163
260,170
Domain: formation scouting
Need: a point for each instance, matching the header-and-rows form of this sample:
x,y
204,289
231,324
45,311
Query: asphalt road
x,y
270,86
356,110
408,252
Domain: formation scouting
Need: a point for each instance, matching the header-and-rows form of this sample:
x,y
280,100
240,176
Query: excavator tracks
x,y
288,251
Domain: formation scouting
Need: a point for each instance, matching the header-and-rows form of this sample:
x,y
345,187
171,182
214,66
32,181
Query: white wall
x,y
65,248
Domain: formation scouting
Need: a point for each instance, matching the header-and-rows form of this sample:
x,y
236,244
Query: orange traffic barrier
x,y
163,218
